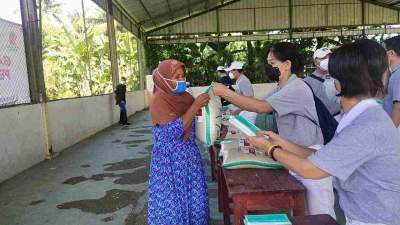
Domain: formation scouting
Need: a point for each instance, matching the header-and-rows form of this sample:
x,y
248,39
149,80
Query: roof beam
x,y
147,12
192,16
394,3
189,7
382,4
290,8
205,4
363,17
308,34
184,7
170,10
123,10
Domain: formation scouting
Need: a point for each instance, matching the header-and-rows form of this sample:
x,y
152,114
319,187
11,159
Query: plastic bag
x,y
244,126
208,119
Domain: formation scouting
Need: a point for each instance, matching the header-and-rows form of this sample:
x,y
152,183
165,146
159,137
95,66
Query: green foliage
x,y
76,54
128,65
202,60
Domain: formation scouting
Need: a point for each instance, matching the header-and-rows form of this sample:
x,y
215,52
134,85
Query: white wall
x,y
136,101
22,139
263,89
73,120
22,131
259,89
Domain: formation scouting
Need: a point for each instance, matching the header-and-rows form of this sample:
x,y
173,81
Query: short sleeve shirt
x,y
393,91
364,162
295,112
244,87
320,91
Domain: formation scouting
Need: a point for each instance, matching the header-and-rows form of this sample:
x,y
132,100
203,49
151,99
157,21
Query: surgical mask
x,y
181,85
274,74
324,64
231,75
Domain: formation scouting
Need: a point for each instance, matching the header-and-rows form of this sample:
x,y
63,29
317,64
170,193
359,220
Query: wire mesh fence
x,y
14,83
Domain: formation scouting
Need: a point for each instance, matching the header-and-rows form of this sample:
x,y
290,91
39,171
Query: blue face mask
x,y
180,85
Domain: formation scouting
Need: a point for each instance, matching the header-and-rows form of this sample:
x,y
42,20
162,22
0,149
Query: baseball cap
x,y
219,68
321,53
235,65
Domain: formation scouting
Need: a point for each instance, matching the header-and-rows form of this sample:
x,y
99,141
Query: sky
x,y
10,10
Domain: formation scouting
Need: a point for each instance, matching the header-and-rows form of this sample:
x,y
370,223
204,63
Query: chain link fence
x,y
14,83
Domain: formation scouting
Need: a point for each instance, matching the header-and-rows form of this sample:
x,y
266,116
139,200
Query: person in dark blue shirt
x,y
224,79
120,98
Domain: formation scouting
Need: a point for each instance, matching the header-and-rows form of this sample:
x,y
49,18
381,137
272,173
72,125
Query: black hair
x,y
393,43
359,67
287,51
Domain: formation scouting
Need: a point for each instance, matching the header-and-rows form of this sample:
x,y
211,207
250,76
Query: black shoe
x,y
127,123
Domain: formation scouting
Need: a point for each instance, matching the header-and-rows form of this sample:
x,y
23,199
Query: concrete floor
x,y
102,181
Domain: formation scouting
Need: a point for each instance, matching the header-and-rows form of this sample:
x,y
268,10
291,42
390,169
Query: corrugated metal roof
x,y
186,17
154,13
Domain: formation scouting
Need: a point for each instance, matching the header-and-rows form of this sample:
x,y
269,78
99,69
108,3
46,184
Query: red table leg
x,y
299,204
212,159
223,198
239,209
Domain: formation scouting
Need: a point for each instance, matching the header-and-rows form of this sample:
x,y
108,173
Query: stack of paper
x,y
270,219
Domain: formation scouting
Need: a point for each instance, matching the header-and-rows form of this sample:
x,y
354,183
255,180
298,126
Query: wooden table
x,y
258,190
213,150
313,220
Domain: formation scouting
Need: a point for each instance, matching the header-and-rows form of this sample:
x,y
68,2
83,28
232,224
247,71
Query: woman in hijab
x,y
177,183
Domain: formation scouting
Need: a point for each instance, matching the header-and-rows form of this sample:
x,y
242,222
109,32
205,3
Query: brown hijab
x,y
165,105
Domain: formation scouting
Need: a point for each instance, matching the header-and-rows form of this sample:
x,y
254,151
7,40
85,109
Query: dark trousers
x,y
123,117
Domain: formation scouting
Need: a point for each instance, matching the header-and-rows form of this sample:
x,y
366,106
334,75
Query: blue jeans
x,y
123,117
122,106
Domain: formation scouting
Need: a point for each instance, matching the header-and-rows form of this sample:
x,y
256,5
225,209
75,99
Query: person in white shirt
x,y
320,82
243,84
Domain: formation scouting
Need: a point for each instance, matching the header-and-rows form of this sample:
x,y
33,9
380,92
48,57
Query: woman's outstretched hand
x,y
260,143
265,140
219,89
273,138
201,100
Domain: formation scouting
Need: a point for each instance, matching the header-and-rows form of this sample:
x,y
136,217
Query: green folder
x,y
270,219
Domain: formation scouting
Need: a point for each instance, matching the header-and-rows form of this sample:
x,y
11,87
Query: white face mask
x,y
231,75
323,65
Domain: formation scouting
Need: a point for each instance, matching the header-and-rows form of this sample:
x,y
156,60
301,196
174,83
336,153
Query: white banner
x,y
14,85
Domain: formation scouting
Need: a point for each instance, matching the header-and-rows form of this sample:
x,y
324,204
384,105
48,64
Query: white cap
x,y
219,68
321,53
235,65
